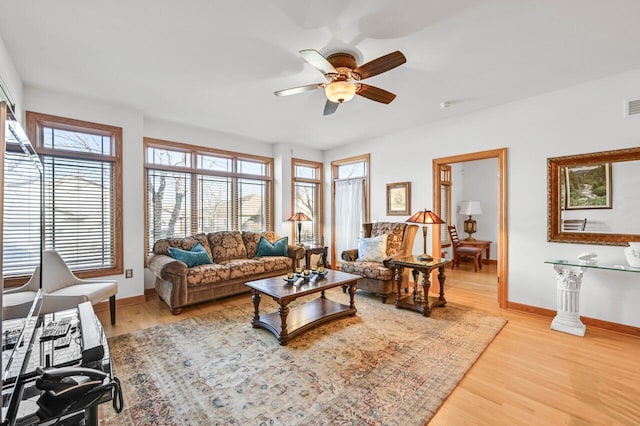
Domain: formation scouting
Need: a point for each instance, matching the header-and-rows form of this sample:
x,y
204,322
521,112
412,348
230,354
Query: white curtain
x,y
349,214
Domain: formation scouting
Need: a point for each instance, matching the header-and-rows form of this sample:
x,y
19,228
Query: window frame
x,y
446,215
194,171
319,220
36,122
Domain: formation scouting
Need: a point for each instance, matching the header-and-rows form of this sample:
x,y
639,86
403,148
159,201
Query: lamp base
x,y
425,258
469,238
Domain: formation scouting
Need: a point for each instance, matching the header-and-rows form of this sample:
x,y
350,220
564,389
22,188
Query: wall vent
x,y
633,108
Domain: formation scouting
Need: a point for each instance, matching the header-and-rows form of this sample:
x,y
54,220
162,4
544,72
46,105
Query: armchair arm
x,y
164,266
350,255
295,252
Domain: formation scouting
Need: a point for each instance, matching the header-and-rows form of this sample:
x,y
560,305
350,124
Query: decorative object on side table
x,y
588,258
425,217
470,208
632,253
299,217
398,199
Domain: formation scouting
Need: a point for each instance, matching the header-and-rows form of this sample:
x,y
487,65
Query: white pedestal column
x,y
567,320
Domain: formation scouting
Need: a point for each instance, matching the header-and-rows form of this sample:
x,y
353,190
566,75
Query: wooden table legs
x,y
421,303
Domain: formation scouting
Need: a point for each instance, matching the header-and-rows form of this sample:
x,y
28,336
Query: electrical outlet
x,y
128,273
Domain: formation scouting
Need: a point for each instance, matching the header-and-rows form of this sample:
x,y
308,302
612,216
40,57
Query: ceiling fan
x,y
344,77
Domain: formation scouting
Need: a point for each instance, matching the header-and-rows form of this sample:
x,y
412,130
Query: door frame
x,y
503,238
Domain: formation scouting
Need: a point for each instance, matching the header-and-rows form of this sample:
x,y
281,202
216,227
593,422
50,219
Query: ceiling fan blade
x,y
330,107
375,94
380,65
300,89
318,61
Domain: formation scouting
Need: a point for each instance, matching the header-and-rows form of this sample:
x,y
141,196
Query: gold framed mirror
x,y
594,198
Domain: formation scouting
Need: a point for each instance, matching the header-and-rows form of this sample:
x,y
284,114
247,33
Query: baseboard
x,y
150,292
128,301
592,322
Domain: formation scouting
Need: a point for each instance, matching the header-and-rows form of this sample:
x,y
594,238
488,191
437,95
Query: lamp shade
x,y
340,91
470,208
425,216
299,217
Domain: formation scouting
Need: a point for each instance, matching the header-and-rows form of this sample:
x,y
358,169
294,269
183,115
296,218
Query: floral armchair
x,y
376,277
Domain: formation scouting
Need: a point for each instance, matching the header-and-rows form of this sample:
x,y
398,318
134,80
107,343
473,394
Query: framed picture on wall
x,y
588,187
399,199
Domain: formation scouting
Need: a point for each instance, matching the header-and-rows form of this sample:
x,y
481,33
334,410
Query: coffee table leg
x,y
426,285
284,334
352,294
256,303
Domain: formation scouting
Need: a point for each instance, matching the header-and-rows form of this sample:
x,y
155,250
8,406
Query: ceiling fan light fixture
x,y
340,91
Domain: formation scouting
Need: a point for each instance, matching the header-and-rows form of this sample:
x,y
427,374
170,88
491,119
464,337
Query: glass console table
x,y
569,279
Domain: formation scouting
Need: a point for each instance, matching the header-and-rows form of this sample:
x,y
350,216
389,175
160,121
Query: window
x,y
350,202
307,198
445,203
195,189
82,191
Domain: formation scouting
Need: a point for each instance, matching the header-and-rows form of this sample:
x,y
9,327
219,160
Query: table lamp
x,y
470,208
299,218
425,217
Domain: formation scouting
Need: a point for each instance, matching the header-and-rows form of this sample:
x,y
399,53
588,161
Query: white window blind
x,y
79,211
169,204
307,202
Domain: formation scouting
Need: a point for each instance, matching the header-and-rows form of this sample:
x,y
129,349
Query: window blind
x,y
307,202
168,204
79,220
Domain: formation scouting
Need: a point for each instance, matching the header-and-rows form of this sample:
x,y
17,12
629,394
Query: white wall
x,y
479,181
580,119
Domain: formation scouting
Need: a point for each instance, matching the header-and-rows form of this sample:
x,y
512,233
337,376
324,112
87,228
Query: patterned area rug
x,y
382,366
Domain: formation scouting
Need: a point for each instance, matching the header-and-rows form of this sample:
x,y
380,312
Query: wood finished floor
x,y
529,375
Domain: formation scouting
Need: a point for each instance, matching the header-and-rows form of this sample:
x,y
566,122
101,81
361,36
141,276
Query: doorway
x,y
502,240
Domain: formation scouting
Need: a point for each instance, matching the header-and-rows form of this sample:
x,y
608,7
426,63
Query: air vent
x,y
633,108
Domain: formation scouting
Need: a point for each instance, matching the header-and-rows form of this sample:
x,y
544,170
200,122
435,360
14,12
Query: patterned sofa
x,y
234,263
377,278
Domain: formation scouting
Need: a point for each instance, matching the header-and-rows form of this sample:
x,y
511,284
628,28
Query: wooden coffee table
x,y
289,322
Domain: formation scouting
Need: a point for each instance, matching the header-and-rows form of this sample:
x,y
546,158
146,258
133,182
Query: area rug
x,y
382,366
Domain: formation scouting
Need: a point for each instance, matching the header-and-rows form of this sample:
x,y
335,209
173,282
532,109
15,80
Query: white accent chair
x,y
17,301
63,290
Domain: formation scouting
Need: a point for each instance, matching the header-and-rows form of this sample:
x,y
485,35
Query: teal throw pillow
x,y
196,256
279,248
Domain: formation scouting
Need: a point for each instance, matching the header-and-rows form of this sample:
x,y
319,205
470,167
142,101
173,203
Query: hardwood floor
x,y
529,375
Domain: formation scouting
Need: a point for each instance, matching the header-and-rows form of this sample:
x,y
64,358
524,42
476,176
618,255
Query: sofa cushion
x,y
278,248
375,270
276,263
226,245
372,249
251,240
162,246
240,268
207,274
194,257
394,232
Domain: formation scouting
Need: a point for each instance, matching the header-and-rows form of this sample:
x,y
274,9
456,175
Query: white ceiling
x,y
216,64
